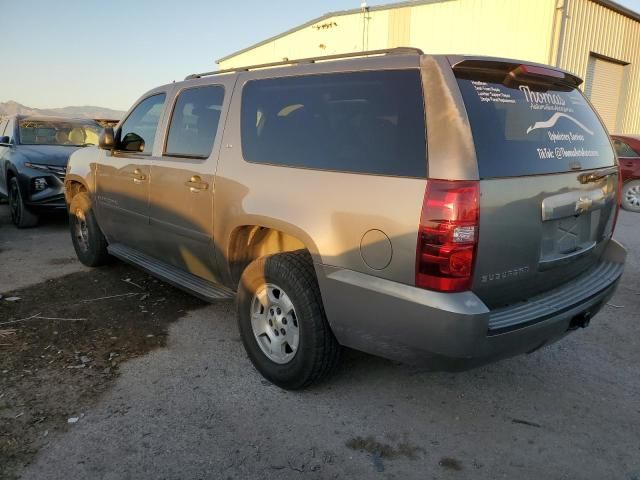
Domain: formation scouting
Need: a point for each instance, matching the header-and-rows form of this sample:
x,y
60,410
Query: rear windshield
x,y
362,122
531,129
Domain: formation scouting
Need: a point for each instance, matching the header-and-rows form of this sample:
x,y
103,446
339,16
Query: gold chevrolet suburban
x,y
448,210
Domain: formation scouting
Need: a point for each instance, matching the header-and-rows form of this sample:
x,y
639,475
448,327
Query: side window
x,y
142,124
3,125
194,122
364,122
623,150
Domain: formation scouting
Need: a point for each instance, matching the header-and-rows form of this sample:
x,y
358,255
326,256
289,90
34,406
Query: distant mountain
x,y
12,108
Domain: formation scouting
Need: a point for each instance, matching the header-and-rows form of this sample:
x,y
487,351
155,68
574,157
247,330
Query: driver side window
x,y
138,132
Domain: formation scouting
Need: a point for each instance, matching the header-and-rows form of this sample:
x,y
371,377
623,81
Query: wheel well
x,y
9,176
253,241
73,188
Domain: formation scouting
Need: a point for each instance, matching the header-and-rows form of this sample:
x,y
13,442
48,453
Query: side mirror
x,y
106,139
5,140
132,142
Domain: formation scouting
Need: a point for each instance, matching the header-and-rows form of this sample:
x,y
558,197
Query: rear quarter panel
x,y
329,212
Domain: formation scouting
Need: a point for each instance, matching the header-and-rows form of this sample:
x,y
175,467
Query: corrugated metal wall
x,y
337,34
506,28
400,27
593,28
521,29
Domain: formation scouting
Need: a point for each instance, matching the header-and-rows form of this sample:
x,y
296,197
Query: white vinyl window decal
x,y
553,120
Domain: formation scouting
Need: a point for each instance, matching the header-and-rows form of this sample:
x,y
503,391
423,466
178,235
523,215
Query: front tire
x,y
88,240
21,216
282,322
631,196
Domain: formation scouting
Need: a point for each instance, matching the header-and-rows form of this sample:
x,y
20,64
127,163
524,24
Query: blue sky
x,y
107,53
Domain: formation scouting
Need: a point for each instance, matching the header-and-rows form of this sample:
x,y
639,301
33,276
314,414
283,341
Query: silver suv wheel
x,y
631,196
275,324
291,347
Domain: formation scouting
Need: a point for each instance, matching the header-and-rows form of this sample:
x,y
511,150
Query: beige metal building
x,y
598,40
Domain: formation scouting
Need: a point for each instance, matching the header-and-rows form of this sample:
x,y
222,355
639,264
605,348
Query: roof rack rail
x,y
386,51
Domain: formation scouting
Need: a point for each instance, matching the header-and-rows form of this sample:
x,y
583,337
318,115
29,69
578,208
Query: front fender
x,y
81,170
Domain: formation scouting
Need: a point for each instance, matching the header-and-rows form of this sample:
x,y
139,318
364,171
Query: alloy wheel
x,y
632,196
14,202
275,324
81,230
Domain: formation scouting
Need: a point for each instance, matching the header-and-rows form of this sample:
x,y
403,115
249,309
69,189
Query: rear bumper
x,y
457,331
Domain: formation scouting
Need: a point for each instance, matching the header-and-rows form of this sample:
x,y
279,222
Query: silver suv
x,y
437,209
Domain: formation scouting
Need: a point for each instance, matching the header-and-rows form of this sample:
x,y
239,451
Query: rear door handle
x,y
196,184
138,176
596,176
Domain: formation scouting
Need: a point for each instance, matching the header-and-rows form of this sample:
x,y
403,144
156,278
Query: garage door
x,y
604,89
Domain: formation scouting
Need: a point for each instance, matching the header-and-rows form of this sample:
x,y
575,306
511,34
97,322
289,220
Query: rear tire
x,y
296,311
631,196
21,216
88,240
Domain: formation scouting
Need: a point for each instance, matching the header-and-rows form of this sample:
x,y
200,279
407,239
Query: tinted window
x,y
371,122
622,149
143,121
194,122
521,129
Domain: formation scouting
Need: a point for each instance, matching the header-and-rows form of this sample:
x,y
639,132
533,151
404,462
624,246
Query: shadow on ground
x,y
62,341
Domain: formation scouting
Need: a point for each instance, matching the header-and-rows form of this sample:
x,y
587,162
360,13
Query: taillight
x,y
448,235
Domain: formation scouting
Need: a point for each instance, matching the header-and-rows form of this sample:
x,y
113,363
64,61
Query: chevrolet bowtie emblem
x,y
583,205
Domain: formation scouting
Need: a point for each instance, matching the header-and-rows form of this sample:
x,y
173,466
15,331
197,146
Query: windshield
x,y
59,132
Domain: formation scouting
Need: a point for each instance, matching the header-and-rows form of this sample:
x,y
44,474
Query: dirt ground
x,y
61,344
108,373
63,339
